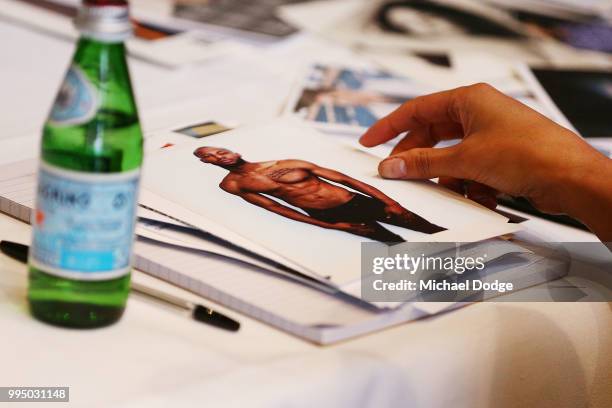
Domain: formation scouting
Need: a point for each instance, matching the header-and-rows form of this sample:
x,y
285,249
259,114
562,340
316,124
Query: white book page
x,y
188,240
263,293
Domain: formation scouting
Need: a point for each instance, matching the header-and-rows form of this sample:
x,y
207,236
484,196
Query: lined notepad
x,y
268,296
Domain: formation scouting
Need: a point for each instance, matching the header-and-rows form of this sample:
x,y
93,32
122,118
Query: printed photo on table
x,y
314,195
287,189
333,97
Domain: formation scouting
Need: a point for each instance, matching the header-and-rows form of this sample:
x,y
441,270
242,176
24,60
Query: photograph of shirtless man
x,y
307,186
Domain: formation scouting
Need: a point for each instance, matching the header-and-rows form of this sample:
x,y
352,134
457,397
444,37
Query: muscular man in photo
x,y
306,186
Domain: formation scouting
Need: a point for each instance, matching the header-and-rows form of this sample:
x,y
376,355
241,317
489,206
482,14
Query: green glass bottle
x,y
91,153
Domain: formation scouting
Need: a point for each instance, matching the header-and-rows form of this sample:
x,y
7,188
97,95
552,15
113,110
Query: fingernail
x,y
392,168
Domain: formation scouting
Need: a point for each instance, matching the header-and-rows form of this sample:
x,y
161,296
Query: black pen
x,y
198,312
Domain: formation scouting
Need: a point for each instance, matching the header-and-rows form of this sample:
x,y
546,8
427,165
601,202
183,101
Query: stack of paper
x,y
162,45
455,27
302,303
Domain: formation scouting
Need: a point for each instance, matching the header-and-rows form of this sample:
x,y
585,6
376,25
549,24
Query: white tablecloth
x,y
492,354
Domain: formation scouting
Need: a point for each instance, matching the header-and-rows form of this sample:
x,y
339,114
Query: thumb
x,y
421,163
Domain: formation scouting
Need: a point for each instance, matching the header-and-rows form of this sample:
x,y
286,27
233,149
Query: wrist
x,y
587,196
579,187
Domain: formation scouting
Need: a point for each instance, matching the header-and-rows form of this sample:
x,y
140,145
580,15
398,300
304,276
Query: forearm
x,y
588,198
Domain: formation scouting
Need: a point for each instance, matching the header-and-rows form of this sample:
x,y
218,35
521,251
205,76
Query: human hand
x,y
505,147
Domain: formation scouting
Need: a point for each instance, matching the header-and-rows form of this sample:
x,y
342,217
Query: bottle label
x,y
83,225
76,102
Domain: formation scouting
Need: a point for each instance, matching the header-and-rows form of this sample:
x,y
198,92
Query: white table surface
x,y
489,354
492,354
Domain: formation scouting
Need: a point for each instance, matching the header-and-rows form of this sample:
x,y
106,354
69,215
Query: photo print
x,y
286,189
345,98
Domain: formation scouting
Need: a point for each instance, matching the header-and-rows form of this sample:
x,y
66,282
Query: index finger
x,y
422,111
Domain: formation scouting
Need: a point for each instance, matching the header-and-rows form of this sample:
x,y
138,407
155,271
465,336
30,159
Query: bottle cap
x,y
107,21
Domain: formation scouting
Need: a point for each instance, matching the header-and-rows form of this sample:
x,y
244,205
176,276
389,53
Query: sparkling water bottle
x,y
91,153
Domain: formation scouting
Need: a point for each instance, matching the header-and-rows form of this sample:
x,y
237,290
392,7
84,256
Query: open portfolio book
x,y
276,221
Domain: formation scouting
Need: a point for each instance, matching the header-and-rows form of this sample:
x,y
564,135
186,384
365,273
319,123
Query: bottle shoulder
x,y
94,123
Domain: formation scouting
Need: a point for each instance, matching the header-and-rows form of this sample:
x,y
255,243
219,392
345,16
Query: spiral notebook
x,y
278,300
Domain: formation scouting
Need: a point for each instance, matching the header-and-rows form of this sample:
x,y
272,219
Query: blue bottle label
x,y
83,225
77,102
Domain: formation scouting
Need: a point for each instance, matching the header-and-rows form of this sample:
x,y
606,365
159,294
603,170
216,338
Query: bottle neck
x,y
105,21
91,44
104,66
